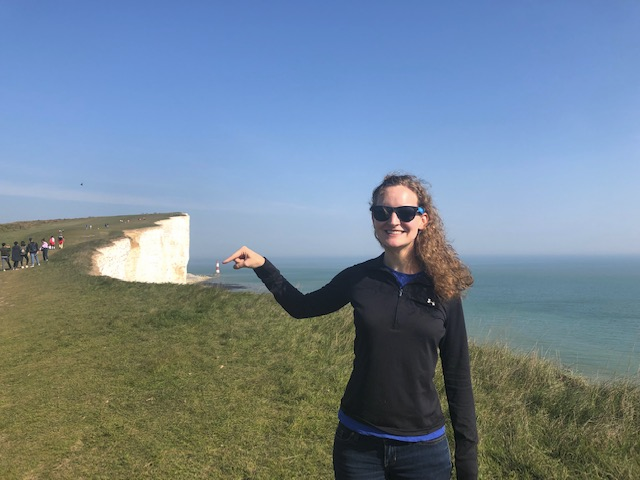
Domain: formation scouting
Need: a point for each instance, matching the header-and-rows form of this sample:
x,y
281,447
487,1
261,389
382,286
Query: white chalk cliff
x,y
158,254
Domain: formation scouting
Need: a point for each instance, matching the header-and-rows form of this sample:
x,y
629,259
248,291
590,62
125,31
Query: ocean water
x,y
582,312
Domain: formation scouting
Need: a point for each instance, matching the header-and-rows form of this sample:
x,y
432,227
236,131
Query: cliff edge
x,y
157,254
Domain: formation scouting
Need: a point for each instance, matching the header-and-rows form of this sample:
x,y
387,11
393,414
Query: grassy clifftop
x,y
106,379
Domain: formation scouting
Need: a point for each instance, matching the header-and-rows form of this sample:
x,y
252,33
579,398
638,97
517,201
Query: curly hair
x,y
437,257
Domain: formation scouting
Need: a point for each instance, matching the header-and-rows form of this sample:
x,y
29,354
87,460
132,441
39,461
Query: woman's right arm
x,y
329,298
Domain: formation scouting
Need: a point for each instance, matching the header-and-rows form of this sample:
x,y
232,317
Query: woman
x,y
45,250
407,310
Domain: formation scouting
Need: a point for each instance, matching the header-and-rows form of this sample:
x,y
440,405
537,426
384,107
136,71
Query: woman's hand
x,y
245,258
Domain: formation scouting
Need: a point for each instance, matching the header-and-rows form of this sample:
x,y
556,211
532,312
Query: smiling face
x,y
394,235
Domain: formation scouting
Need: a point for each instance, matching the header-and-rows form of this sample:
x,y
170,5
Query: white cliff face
x,y
153,255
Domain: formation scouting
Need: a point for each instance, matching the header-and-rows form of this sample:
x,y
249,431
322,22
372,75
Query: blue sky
x,y
270,122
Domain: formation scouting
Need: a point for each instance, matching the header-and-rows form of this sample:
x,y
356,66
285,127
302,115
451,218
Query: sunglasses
x,y
383,213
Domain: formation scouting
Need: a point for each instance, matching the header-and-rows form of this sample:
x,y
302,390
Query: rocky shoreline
x,y
210,282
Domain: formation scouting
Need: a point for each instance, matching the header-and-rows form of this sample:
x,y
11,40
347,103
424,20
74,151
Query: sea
x,y
582,312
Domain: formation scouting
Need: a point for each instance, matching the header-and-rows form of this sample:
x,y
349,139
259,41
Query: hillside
x,y
102,378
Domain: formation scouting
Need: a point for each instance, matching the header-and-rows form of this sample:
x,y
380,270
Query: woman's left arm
x,y
454,353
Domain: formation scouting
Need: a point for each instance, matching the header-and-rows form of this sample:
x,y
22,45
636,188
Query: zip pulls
x,y
395,315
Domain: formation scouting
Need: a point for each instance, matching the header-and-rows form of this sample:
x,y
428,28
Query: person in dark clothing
x,y
16,256
5,252
32,248
407,312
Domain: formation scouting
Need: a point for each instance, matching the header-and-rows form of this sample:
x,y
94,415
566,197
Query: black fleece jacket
x,y
399,332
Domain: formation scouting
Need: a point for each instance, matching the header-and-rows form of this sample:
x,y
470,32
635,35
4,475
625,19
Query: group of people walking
x,y
25,254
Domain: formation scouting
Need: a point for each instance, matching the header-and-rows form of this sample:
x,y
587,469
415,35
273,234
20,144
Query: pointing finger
x,y
235,256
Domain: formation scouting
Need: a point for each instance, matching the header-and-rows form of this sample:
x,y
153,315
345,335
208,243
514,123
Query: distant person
x,y
45,250
60,241
16,256
407,310
33,248
52,242
5,253
25,254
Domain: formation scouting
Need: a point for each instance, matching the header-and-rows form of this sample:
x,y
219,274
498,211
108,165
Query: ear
x,y
424,221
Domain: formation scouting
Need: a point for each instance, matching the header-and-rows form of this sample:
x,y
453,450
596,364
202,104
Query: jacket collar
x,y
377,264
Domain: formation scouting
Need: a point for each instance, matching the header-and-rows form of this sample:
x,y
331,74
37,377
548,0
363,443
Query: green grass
x,y
106,379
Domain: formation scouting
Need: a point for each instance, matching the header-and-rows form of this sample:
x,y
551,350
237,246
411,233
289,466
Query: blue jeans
x,y
361,457
34,259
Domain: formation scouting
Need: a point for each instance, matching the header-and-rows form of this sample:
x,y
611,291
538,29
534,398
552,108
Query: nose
x,y
394,218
